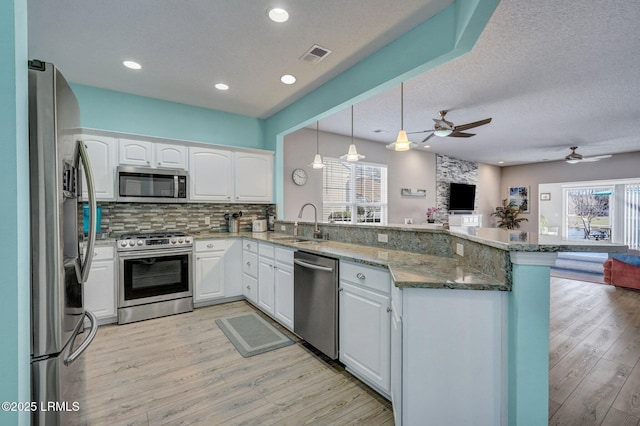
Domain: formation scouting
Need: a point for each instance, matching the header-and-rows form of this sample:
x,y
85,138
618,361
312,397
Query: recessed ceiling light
x,y
278,15
500,162
426,146
132,65
288,79
221,86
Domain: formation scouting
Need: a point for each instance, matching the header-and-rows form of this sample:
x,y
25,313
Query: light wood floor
x,y
183,370
594,373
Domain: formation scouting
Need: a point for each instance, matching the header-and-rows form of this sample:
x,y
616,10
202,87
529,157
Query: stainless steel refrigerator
x,y
58,267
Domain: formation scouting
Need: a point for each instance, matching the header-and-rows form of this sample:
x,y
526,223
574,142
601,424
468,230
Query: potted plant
x,y
507,215
431,213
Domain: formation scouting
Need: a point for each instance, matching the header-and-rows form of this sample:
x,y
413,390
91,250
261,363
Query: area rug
x,y
252,335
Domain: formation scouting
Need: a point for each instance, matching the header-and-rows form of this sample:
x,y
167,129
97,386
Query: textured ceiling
x,y
551,74
187,46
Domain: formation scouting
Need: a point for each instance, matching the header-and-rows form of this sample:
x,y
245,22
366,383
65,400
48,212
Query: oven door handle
x,y
142,254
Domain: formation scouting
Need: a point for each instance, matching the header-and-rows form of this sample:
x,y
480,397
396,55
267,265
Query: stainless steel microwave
x,y
148,185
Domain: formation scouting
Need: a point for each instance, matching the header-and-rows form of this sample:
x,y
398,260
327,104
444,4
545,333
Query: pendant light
x,y
352,155
402,142
317,160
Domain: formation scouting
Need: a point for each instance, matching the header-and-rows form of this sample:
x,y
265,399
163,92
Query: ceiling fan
x,y
574,157
444,128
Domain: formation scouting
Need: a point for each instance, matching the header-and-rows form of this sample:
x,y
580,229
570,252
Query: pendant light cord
x,y
401,105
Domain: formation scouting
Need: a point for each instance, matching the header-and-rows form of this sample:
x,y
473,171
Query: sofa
x,y
622,270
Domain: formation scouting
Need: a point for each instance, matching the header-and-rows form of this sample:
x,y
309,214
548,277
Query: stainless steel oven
x,y
155,277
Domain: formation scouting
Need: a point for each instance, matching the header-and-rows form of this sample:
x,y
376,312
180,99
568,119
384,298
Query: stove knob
x,y
140,242
187,240
180,240
132,243
123,243
173,241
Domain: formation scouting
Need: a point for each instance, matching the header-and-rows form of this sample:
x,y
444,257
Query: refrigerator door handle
x,y
92,333
91,241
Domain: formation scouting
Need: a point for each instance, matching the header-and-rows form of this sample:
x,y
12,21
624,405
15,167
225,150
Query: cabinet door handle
x,y
210,245
388,309
340,290
249,264
248,287
360,276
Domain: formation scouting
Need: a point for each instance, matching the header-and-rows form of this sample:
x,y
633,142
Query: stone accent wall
x,y
120,218
449,169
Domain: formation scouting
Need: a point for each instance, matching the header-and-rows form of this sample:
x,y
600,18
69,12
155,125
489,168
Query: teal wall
x,y
122,112
14,217
451,33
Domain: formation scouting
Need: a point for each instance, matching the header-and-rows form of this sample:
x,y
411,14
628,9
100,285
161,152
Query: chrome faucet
x,y
316,230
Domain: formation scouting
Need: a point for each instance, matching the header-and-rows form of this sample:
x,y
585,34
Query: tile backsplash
x,y
120,218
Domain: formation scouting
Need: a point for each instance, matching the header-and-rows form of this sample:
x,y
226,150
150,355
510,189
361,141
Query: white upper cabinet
x,y
254,177
103,154
136,153
170,156
210,174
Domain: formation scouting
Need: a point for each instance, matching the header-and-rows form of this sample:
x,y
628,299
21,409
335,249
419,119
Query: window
x,y
589,213
354,192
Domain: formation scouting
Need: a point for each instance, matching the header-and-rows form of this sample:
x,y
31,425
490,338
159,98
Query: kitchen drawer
x,y
266,250
365,276
250,288
210,245
284,256
250,246
250,263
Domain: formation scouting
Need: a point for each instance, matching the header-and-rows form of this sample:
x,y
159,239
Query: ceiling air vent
x,y
315,54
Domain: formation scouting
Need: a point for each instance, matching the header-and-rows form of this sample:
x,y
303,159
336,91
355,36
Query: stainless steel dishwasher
x,y
315,295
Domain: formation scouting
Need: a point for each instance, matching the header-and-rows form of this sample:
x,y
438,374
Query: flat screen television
x,y
462,197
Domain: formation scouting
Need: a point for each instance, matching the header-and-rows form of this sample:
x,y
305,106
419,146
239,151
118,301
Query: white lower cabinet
x,y
266,277
283,287
275,282
453,369
365,324
100,288
216,270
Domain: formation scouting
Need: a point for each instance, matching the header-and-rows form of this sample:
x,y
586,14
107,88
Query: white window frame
x,y
350,203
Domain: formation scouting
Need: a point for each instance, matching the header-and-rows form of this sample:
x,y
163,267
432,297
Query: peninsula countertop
x,y
408,270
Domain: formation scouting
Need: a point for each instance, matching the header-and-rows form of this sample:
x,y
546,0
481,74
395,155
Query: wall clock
x,y
299,177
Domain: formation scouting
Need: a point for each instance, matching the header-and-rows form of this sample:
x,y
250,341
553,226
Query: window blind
x,y
632,216
354,192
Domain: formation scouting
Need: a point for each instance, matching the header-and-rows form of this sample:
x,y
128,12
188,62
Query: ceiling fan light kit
x,y
575,158
443,128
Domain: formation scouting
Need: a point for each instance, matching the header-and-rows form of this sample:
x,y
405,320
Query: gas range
x,y
154,241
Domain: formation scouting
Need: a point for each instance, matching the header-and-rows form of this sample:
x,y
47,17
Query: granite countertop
x,y
409,270
533,242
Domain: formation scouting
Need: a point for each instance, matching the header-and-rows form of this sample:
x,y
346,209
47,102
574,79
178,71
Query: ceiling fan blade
x,y
472,125
596,158
421,131
427,138
573,161
457,134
